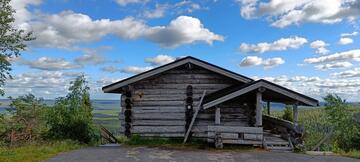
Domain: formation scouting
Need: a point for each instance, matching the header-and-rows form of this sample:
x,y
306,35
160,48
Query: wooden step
x,y
274,148
268,142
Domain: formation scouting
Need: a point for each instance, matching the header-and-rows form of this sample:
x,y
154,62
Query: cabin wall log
x,y
158,103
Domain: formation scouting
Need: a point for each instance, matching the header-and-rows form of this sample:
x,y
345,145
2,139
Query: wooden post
x,y
258,109
295,113
217,116
268,108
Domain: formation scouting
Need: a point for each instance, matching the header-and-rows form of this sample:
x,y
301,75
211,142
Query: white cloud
x,y
158,12
352,55
106,81
182,30
349,34
160,60
278,45
186,6
255,61
22,15
334,65
293,12
126,2
348,74
90,58
320,46
135,69
110,69
42,84
345,40
67,29
248,8
51,64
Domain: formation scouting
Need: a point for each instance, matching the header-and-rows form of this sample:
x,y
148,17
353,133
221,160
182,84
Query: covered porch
x,y
263,130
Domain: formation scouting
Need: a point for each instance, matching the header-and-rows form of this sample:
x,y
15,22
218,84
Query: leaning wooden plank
x,y
194,117
231,129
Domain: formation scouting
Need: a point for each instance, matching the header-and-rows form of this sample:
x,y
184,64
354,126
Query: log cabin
x,y
190,98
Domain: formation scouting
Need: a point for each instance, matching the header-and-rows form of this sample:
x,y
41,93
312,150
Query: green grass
x,y
36,152
352,154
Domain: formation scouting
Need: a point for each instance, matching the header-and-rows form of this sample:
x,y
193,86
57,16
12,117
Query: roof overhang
x,y
112,88
250,87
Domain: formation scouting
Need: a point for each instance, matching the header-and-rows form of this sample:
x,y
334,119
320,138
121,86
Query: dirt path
x,y
127,154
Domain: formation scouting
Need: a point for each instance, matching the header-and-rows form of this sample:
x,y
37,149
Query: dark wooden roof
x,y
113,88
231,92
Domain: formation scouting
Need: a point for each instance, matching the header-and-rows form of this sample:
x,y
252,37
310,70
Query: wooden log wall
x,y
159,104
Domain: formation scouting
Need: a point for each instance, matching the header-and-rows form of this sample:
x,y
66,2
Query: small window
x,y
241,136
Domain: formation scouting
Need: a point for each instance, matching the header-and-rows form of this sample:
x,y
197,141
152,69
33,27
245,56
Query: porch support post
x,y
268,108
217,116
295,113
259,107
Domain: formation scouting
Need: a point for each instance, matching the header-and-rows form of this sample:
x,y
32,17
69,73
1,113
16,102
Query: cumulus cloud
x,y
348,73
335,65
182,30
160,60
255,61
320,46
345,40
292,12
352,55
278,45
42,84
51,64
135,69
126,2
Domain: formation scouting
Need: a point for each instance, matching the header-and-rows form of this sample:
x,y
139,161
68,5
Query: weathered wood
x,y
194,117
173,65
258,109
217,116
248,136
232,129
244,142
295,114
158,122
158,129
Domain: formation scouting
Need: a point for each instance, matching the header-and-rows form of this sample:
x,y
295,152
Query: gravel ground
x,y
127,154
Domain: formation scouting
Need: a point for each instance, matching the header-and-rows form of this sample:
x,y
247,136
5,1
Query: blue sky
x,y
308,46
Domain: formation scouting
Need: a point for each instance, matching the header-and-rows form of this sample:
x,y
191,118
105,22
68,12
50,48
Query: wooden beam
x,y
258,109
194,117
295,114
217,116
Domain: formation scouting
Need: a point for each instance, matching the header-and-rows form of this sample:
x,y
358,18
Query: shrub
x,y
288,114
25,120
346,132
71,117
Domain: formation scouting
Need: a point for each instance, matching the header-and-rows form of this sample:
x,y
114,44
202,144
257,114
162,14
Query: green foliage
x,y
25,120
11,40
71,117
346,132
288,113
38,151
